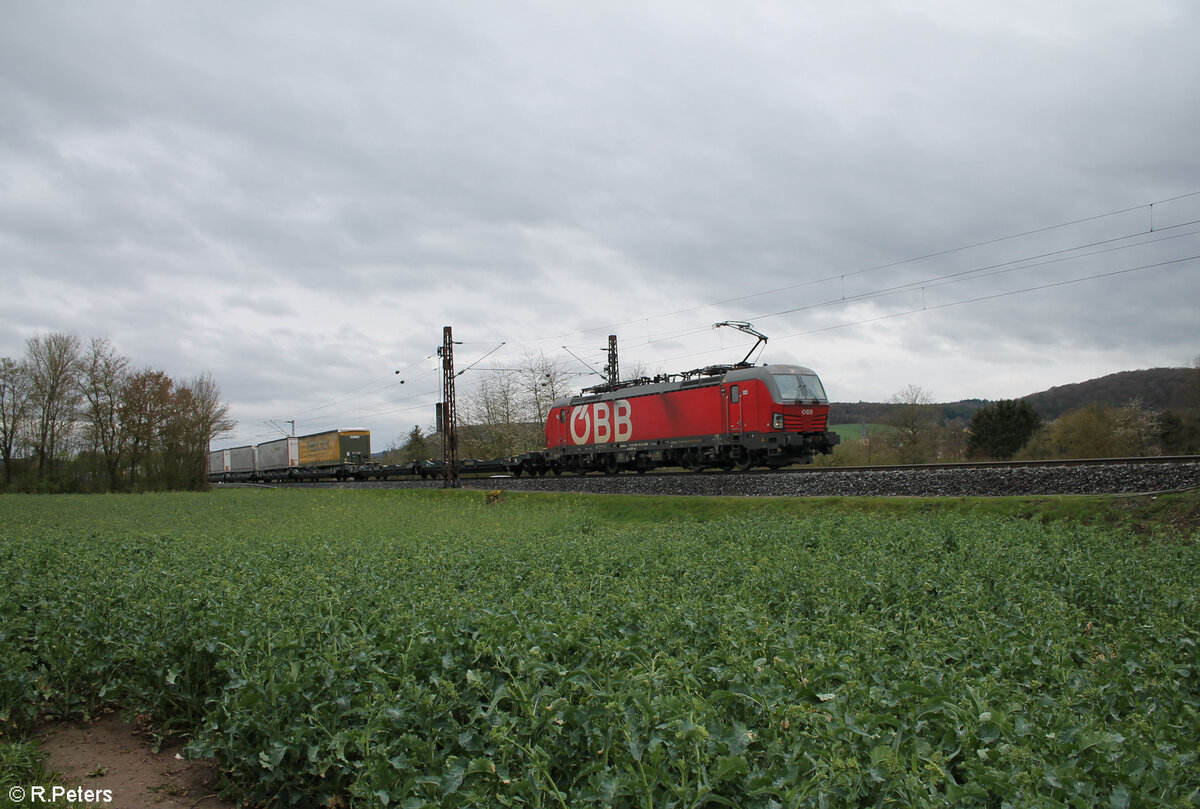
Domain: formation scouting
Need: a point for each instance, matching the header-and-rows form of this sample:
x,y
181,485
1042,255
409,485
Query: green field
x,y
854,432
392,648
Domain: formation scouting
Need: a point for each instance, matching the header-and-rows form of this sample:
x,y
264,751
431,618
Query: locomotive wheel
x,y
744,461
610,465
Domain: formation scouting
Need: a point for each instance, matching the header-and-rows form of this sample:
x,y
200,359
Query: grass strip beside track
x,y
1174,512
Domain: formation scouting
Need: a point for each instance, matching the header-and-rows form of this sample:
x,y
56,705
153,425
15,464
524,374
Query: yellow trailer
x,y
335,447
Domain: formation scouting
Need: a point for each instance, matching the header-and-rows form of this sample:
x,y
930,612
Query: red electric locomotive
x,y
726,417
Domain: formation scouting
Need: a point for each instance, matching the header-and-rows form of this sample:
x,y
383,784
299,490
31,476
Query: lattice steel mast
x,y
449,413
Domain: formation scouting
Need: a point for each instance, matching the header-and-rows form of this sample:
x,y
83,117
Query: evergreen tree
x,y
417,447
1000,429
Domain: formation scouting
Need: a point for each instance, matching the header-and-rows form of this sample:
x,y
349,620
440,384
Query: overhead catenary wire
x,y
425,399
992,296
376,384
959,276
379,388
875,268
986,272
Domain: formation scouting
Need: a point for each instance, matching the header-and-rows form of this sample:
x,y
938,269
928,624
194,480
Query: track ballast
x,y
1101,476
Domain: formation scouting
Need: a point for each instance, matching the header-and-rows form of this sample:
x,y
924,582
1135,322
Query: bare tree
x,y
145,406
208,419
104,376
636,370
193,416
171,464
914,421
14,407
54,363
505,412
542,379
492,415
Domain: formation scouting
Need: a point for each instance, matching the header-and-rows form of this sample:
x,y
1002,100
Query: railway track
x,y
993,479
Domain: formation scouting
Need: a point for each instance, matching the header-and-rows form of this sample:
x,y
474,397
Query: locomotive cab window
x,y
733,393
799,387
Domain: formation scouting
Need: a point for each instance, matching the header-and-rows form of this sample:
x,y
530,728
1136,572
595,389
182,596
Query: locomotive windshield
x,y
798,387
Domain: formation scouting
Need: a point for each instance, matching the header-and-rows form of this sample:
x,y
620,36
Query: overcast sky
x,y
982,199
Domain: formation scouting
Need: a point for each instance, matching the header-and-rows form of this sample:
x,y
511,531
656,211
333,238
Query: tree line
x,y
912,429
76,417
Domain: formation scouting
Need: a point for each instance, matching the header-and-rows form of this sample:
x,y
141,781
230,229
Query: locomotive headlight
x,y
777,421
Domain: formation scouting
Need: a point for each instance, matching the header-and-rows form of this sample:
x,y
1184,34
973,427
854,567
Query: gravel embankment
x,y
934,482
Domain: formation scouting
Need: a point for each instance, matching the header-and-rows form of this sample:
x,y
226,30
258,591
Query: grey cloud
x,y
534,171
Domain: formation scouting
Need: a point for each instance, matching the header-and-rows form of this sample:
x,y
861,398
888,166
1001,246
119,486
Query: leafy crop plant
x,y
421,649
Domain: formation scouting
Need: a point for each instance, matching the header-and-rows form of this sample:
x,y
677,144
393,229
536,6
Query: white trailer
x,y
241,460
218,462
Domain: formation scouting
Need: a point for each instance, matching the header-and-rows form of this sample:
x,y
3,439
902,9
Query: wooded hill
x,y
1158,390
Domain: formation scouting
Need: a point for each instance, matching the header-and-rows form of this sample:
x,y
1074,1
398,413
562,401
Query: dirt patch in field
x,y
1179,513
111,754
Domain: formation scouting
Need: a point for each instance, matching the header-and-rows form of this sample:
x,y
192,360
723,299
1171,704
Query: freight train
x,y
721,417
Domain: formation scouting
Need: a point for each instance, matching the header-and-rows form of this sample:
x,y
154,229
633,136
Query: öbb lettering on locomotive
x,y
601,422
